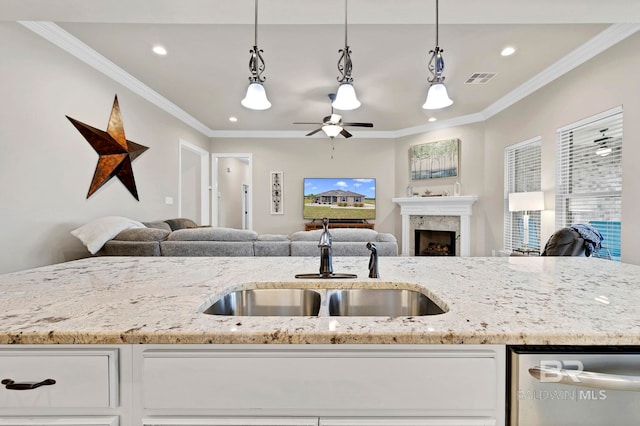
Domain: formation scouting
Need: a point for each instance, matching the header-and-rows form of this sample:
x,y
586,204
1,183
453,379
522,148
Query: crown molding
x,y
598,44
67,42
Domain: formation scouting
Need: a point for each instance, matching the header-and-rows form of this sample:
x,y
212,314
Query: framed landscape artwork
x,y
434,159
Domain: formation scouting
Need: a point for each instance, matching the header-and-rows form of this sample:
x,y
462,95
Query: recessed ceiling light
x,y
508,51
432,119
233,119
159,50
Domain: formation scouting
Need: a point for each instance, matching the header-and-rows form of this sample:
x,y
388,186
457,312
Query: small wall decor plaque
x,y
277,204
116,153
434,159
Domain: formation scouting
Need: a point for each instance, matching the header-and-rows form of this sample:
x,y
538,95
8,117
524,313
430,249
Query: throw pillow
x,y
97,232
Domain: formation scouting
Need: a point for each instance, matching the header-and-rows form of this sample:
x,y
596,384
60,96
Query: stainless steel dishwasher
x,y
573,385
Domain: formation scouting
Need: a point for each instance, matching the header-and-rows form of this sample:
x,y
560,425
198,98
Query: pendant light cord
x,y
437,44
345,22
255,32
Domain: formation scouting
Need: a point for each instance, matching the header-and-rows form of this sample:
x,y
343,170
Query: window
x,y
522,168
589,177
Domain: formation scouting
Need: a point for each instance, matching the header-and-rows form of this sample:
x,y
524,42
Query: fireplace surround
x,y
454,211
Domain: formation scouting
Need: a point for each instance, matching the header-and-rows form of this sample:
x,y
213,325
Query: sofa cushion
x,y
143,234
272,237
206,248
130,248
181,223
362,235
158,225
97,232
386,238
213,234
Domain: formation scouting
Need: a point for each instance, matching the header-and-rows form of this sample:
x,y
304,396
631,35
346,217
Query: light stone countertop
x,y
492,300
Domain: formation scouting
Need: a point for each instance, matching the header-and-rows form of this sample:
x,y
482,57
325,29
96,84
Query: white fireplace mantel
x,y
459,205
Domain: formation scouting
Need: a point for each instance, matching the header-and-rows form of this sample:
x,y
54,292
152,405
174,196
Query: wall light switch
x,y
168,200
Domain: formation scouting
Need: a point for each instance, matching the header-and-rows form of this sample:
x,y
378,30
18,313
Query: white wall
x,y
46,165
190,193
607,81
471,174
311,157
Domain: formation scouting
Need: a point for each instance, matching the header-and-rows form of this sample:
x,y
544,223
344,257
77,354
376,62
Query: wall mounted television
x,y
346,199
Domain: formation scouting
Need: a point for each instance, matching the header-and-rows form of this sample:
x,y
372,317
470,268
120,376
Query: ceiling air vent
x,y
480,77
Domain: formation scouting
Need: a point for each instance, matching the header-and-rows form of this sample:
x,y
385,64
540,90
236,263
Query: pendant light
x,y
256,97
346,98
437,96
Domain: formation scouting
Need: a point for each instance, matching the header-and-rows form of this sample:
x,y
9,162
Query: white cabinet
x,y
70,378
233,421
254,385
341,385
59,421
63,385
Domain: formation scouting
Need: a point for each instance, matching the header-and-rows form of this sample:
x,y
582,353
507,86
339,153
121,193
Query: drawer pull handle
x,y
10,384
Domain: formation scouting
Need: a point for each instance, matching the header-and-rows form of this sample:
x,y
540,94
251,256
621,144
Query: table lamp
x,y
526,202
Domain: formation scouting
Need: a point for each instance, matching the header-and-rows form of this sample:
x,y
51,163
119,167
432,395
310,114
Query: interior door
x,y
232,183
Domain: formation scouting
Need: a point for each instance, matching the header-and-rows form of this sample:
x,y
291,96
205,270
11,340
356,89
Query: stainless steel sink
x,y
288,302
381,302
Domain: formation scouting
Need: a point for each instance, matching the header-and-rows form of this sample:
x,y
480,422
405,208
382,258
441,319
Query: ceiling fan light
x,y
346,98
603,151
331,130
256,98
437,97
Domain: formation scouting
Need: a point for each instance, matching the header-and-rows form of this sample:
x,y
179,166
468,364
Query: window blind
x,y
522,171
589,178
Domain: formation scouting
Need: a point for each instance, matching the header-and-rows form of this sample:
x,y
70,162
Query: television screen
x,y
340,198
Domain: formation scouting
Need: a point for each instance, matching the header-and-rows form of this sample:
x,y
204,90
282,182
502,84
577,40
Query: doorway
x,y
231,180
193,187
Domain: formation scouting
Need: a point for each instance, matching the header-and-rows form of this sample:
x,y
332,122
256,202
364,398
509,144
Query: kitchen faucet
x,y
373,261
326,258
326,264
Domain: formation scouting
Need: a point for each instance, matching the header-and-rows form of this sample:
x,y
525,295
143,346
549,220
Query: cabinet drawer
x,y
83,378
307,381
60,421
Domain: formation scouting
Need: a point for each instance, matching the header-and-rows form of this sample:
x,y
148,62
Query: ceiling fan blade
x,y
358,124
314,132
345,133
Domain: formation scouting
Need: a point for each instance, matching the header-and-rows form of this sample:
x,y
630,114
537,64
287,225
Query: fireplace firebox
x,y
435,243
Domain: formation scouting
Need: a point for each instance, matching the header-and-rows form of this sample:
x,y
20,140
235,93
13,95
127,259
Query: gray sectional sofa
x,y
182,237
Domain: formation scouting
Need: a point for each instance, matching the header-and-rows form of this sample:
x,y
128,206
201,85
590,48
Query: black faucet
x,y
373,261
326,266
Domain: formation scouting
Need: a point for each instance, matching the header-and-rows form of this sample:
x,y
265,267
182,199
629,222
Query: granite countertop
x,y
493,300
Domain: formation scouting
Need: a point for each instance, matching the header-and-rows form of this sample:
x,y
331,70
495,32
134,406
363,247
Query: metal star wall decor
x,y
115,151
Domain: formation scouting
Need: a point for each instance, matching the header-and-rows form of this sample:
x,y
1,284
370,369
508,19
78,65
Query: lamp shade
x,y
526,201
437,97
346,98
331,130
256,97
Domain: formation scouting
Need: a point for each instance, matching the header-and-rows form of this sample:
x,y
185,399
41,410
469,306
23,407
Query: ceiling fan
x,y
332,125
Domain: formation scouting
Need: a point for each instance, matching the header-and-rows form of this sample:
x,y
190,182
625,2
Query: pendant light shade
x,y
346,98
256,97
437,96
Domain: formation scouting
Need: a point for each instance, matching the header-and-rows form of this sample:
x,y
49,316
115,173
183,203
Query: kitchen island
x,y
497,300
128,338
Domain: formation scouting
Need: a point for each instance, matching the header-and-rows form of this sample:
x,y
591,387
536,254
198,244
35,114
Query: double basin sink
x,y
289,302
